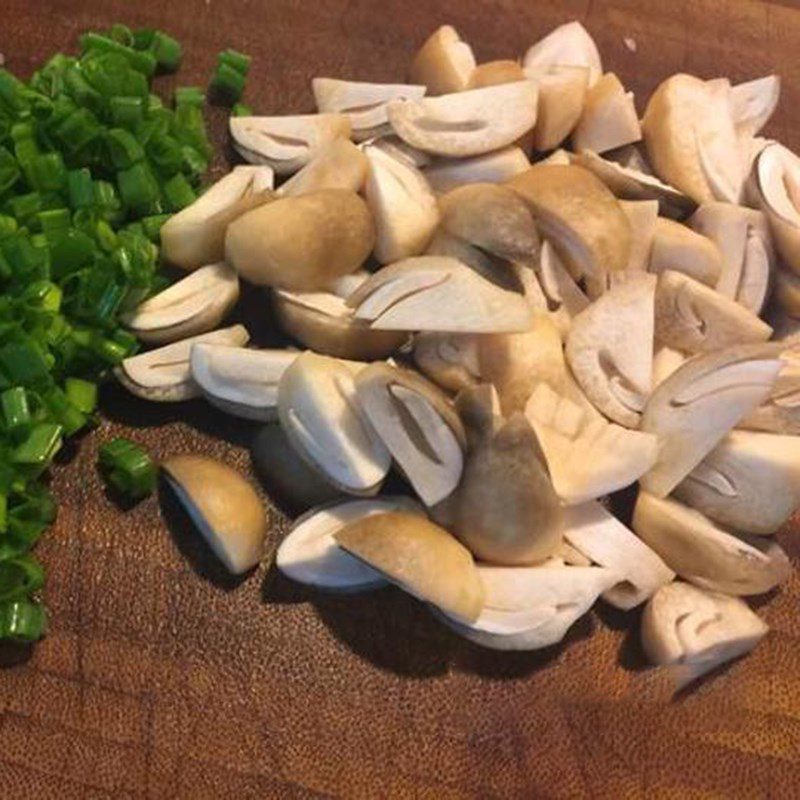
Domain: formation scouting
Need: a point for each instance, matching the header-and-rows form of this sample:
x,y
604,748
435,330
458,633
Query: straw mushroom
x,y
608,119
340,165
497,167
567,45
753,103
493,73
562,95
680,249
444,63
780,412
643,218
449,359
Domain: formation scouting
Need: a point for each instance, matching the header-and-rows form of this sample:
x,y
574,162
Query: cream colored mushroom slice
x,y
402,204
286,143
195,236
469,123
340,165
705,554
494,269
606,542
693,409
417,423
478,407
691,632
319,413
753,103
680,249
529,608
749,482
563,297
588,457
610,349
665,362
691,139
787,292
309,553
571,556
493,73
363,103
643,218
444,63
164,374
436,293
562,95
194,305
696,319
567,45
450,360
497,167
400,150
780,412
608,119
420,557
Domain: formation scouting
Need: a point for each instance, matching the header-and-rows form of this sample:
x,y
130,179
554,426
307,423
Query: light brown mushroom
x,y
499,166
562,95
608,119
567,45
340,165
680,249
444,63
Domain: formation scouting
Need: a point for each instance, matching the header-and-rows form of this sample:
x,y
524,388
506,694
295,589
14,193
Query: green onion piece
x,y
126,112
46,172
128,468
140,60
8,226
178,193
69,418
241,110
190,96
125,151
54,219
77,130
139,189
79,188
227,83
19,577
43,442
168,51
121,33
9,170
22,363
22,620
3,512
152,226
16,412
143,38
235,60
82,394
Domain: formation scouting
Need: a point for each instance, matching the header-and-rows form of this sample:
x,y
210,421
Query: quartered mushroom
x,y
468,123
496,270
418,425
320,415
567,45
478,407
436,293
705,554
787,292
195,236
680,249
588,457
691,632
402,204
444,63
562,95
165,374
496,167
400,150
286,143
194,305
693,409
780,412
340,165
420,557
643,218
224,506
609,118
563,297
753,103
240,381
696,319
665,362
363,103
450,360
493,73
606,542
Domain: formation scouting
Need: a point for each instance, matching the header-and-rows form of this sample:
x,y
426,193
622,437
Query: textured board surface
x,y
164,679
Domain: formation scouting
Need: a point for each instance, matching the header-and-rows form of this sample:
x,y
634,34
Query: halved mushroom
x,y
436,293
493,73
665,362
444,63
195,236
753,103
780,412
400,150
224,507
603,539
164,374
571,556
787,291
567,45
743,238
340,165
705,554
478,407
496,270
643,217
693,409
402,205
691,631
319,413
468,123
528,608
286,143
497,167
695,318
562,94
610,349
588,457
691,140
191,306
449,359
563,298
240,381
420,557
680,249
363,103
609,118
302,243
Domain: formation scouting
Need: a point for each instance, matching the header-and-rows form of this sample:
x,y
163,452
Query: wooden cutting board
x,y
162,678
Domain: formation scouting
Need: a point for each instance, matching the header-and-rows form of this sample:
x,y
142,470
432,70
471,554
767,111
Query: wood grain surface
x,y
162,678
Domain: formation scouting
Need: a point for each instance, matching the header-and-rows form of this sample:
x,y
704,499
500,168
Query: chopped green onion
x,y
128,468
22,620
82,394
235,60
16,412
19,577
41,445
125,151
227,83
178,193
142,61
127,112
167,51
139,189
241,110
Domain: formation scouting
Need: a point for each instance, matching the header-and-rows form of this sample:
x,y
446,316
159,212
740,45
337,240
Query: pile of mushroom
x,y
517,334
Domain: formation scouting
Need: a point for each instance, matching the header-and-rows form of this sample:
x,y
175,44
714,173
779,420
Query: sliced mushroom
x,y
562,94
400,150
563,298
189,307
603,539
419,427
609,118
164,375
444,63
468,123
340,165
402,205
497,167
478,407
695,318
588,457
680,249
319,413
494,73
693,409
787,291
436,293
302,243
195,236
665,362
753,103
643,218
224,506
780,412
610,349
448,359
420,557
496,270
706,555
567,45
571,556
286,143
